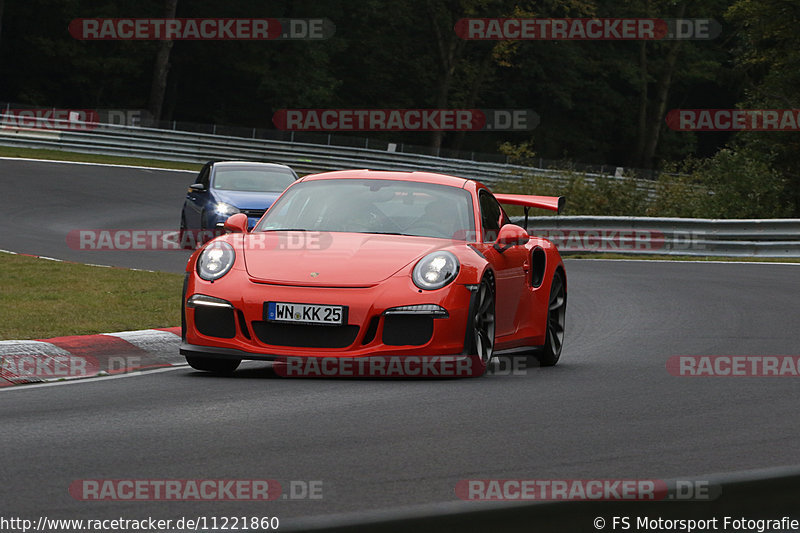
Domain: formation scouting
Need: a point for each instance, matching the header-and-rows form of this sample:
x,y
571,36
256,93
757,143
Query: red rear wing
x,y
553,203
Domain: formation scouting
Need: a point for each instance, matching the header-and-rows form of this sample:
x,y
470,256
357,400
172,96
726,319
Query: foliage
x,y
743,184
600,102
732,184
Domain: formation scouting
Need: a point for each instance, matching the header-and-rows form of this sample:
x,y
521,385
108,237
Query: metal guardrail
x,y
768,238
39,117
129,141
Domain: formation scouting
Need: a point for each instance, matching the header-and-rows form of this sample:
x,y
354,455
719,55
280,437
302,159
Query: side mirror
x,y
236,223
510,235
197,187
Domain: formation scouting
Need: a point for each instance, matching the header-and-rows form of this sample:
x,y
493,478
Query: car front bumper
x,y
241,331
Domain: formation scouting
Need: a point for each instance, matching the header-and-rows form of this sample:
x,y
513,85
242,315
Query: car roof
x,y
422,177
248,164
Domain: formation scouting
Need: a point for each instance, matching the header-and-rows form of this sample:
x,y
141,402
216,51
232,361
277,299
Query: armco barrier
x,y
768,238
631,235
175,145
768,494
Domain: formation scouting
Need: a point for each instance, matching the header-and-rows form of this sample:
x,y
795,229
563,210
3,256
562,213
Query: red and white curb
x,y
82,356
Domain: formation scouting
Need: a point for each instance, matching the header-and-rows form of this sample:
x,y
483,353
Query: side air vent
x,y
538,265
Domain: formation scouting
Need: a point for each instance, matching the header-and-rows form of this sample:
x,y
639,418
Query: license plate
x,y
304,313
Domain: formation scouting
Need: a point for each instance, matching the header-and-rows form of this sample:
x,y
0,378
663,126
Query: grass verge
x,y
58,155
42,298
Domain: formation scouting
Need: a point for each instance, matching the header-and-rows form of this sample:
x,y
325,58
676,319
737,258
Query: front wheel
x,y
556,319
213,364
483,327
182,232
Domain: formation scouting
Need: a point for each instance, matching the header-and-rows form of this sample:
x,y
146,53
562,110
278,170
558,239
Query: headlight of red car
x,y
435,270
215,261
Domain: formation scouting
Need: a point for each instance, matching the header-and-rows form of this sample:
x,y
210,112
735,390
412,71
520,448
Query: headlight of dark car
x,y
215,261
226,209
435,270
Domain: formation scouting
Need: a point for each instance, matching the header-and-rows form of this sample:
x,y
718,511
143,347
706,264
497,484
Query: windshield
x,y
373,206
252,179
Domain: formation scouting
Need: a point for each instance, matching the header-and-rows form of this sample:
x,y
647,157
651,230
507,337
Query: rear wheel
x,y
213,364
556,319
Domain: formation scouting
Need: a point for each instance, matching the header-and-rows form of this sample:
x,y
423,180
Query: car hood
x,y
331,259
247,200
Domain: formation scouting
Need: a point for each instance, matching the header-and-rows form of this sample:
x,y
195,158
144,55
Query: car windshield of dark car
x,y
374,206
251,179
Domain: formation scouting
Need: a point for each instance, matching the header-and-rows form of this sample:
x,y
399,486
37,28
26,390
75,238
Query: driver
x,y
439,220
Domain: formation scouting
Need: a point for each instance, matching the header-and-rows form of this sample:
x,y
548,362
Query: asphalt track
x,y
44,201
608,410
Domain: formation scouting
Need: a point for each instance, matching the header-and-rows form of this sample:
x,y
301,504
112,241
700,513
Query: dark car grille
x,y
255,213
407,330
305,335
215,322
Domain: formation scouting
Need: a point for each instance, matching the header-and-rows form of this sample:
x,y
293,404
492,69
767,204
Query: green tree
x,y
768,55
2,6
161,67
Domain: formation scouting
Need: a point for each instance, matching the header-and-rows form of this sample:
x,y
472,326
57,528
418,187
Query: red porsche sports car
x,y
370,264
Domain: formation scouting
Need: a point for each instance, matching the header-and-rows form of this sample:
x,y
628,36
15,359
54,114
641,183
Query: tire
x,y
182,234
482,324
213,364
549,354
201,235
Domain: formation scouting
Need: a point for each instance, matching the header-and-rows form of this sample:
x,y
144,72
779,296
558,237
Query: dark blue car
x,y
224,188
